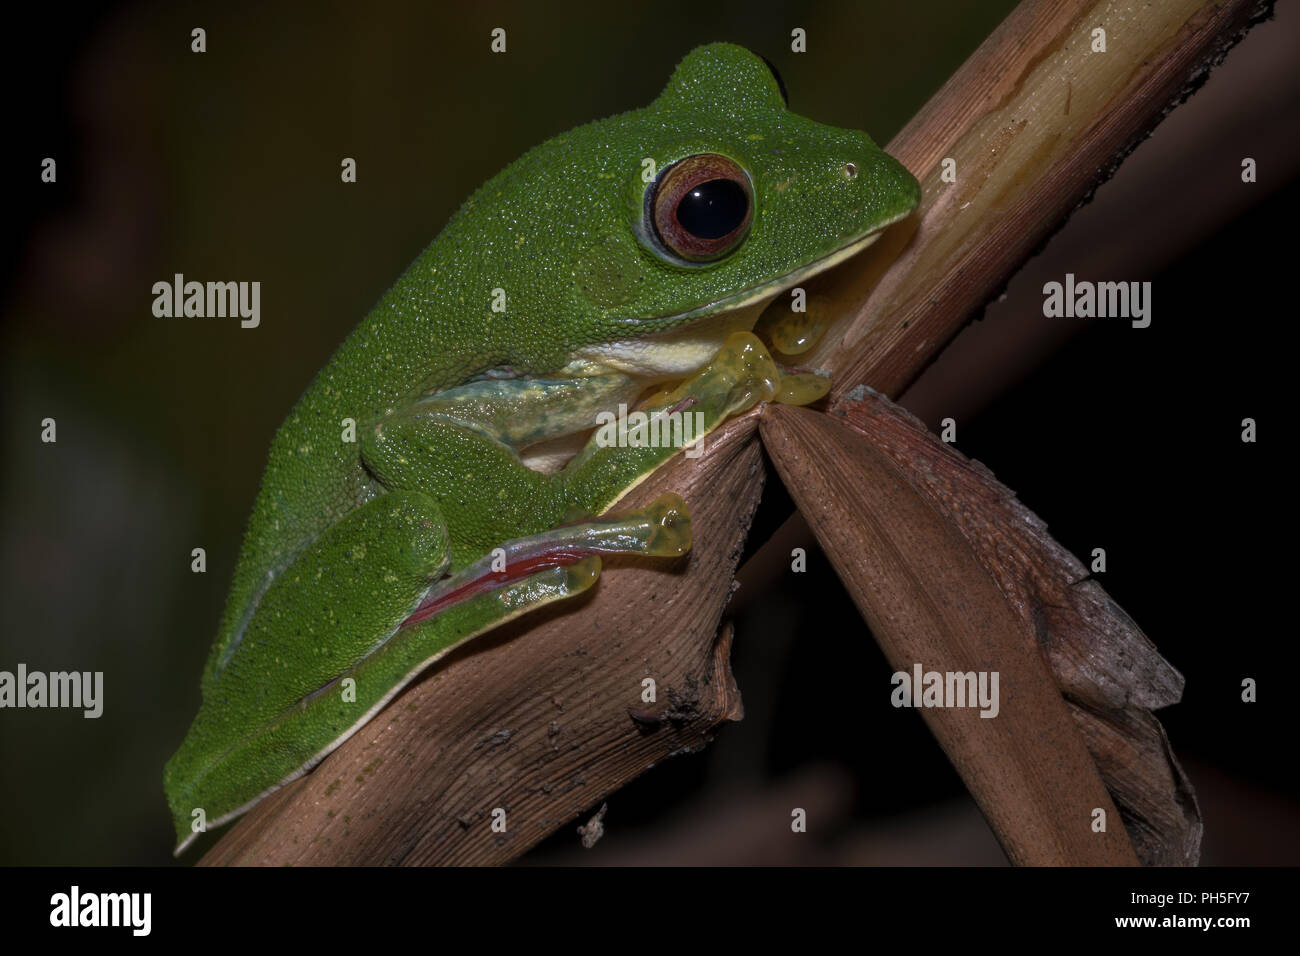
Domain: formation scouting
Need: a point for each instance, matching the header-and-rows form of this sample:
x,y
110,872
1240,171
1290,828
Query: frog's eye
x,y
701,207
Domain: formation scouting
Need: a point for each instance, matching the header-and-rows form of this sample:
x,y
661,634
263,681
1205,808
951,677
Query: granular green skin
x,y
522,232
561,232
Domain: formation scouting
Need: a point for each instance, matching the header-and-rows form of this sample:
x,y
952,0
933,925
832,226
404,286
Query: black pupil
x,y
713,208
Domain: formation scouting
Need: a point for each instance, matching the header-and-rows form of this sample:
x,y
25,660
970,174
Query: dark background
x,y
225,165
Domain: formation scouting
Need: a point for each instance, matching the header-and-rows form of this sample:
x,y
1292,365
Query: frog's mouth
x,y
772,287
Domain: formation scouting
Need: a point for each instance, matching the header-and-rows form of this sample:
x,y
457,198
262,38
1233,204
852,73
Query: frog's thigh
x,y
357,581
487,495
322,615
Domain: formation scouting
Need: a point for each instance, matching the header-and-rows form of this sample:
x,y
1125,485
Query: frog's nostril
x,y
850,170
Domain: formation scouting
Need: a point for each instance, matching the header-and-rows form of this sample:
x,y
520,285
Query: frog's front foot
x,y
740,376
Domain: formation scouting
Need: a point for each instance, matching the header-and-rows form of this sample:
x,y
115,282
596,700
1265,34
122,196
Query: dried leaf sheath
x,y
1109,671
929,601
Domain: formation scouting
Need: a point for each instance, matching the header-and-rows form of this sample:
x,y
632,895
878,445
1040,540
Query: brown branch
x,y
1033,121
534,719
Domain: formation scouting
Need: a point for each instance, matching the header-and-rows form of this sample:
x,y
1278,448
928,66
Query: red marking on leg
x,y
552,558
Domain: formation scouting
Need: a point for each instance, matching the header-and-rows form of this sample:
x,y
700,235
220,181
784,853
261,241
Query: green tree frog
x,y
428,484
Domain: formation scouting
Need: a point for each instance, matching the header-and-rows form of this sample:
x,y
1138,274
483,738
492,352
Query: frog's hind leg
x,y
662,529
355,619
519,577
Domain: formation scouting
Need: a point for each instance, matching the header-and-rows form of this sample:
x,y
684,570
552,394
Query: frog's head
x,y
744,198
713,197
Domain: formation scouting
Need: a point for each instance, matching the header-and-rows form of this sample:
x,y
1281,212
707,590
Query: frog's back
x,y
314,475
433,329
